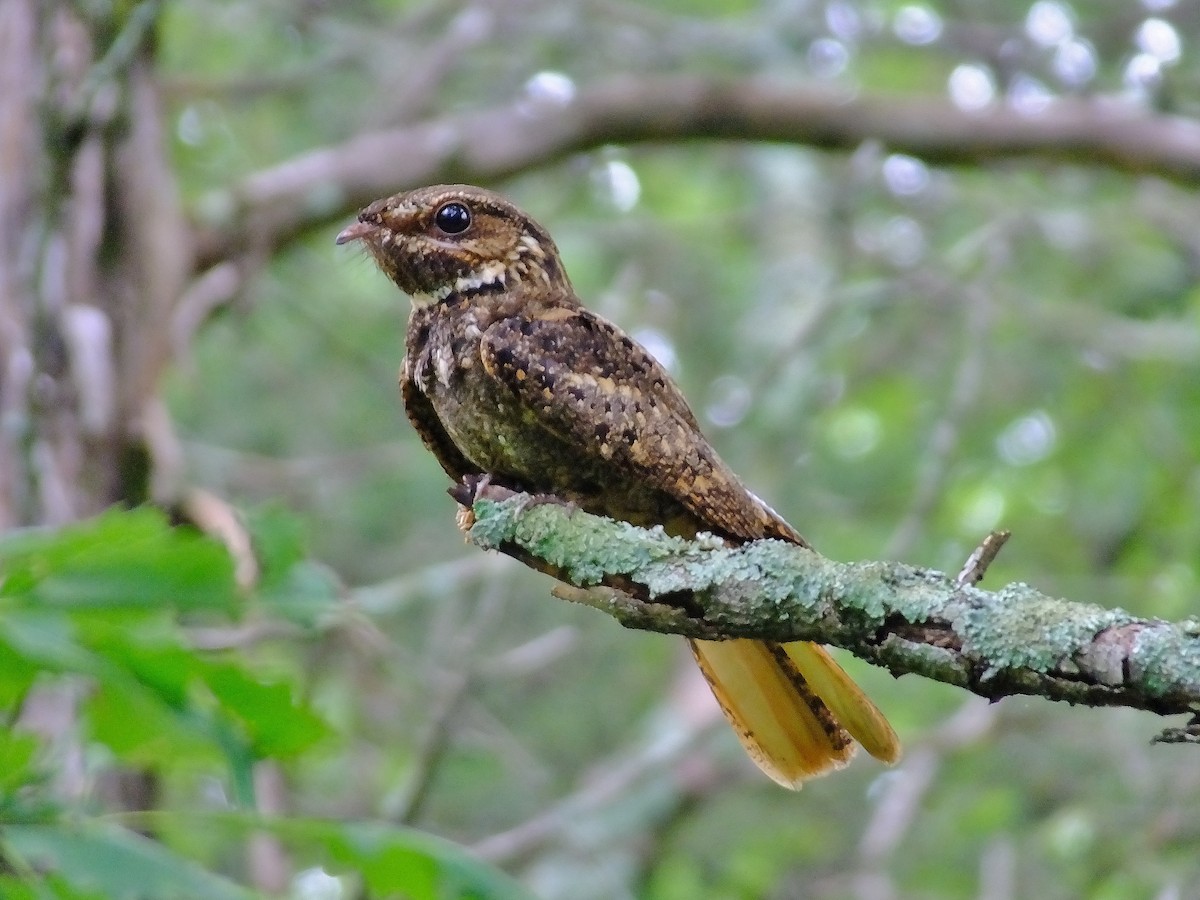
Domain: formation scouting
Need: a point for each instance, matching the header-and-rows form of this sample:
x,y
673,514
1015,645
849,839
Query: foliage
x,y
100,618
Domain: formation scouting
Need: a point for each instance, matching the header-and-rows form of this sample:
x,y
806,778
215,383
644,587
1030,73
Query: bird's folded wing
x,y
429,427
591,385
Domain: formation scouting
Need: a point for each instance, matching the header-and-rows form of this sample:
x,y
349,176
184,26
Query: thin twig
x,y
981,558
460,654
679,728
943,436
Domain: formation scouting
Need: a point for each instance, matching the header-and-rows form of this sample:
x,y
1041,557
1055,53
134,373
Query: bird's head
x,y
444,240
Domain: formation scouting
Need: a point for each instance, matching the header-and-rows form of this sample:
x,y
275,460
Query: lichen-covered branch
x,y
908,619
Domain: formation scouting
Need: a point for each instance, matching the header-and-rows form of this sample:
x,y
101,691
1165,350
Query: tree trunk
x,y
93,254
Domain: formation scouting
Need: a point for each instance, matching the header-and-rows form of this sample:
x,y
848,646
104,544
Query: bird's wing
x,y
421,414
588,383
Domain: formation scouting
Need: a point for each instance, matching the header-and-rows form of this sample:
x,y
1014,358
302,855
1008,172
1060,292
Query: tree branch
x,y
275,204
905,618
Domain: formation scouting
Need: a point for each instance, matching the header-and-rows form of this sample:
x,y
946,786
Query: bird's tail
x,y
795,710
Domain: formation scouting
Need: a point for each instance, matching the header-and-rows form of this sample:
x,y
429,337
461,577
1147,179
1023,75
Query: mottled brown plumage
x,y
507,374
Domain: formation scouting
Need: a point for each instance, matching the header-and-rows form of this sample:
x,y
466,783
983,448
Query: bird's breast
x,y
485,421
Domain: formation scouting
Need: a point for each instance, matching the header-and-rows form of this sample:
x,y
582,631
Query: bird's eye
x,y
453,218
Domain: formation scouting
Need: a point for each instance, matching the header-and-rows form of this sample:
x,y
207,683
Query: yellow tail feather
x,y
792,707
845,699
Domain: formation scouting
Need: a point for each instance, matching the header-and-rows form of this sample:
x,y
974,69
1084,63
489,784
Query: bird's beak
x,y
355,232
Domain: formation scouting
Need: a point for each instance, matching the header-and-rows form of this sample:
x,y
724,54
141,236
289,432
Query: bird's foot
x,y
533,501
474,488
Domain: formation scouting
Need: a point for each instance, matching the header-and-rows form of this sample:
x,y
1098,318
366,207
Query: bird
x,y
506,374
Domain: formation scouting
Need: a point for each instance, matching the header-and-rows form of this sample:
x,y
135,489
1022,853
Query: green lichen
x,y
1018,628
784,573
1167,660
688,569
586,547
916,594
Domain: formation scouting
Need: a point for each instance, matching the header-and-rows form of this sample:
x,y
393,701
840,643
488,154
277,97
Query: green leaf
x,y
17,751
143,731
121,559
16,676
51,888
404,862
391,861
45,639
13,889
290,585
141,706
113,863
277,725
278,542
157,662
308,592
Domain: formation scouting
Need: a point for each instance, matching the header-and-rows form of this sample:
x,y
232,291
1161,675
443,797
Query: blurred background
x,y
922,269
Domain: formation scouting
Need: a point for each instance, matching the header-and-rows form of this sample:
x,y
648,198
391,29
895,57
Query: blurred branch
x,y
267,861
244,87
661,762
239,637
536,654
902,794
905,618
122,52
294,476
1174,339
389,597
471,26
460,653
935,462
276,204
